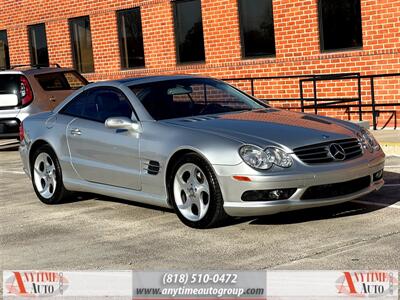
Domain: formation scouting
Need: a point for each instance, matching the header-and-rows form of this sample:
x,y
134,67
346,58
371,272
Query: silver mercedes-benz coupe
x,y
198,145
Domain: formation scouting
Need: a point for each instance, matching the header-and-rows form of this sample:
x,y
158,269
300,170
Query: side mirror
x,y
122,123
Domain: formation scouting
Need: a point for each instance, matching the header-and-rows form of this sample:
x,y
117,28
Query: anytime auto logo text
x,y
367,284
35,283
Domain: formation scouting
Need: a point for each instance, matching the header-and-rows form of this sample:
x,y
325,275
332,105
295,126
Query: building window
x,y
38,45
130,38
4,55
340,24
189,31
81,41
257,28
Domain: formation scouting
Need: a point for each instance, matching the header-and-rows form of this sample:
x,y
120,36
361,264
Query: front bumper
x,y
302,179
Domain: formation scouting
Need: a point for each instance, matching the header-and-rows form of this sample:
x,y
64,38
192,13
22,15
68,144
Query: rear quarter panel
x,y
51,129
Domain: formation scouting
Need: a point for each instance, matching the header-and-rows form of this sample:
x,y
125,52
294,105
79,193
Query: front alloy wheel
x,y
191,192
195,193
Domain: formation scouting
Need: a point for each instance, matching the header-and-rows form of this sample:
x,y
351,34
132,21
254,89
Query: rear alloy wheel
x,y
195,192
47,176
44,174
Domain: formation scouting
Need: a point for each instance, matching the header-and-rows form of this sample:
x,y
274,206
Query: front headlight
x,y
368,141
258,158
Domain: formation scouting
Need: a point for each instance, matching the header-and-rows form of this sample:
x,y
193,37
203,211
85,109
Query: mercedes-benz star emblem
x,y
337,152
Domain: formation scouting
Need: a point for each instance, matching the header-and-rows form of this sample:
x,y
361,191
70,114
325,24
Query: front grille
x,y
336,189
320,153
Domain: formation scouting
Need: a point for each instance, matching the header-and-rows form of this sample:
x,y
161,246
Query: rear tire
x,y
47,176
195,193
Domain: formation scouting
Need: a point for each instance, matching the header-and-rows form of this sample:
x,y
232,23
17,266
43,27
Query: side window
x,y
60,81
102,104
74,81
76,106
99,105
52,82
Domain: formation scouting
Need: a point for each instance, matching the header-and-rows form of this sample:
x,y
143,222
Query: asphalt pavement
x,y
107,234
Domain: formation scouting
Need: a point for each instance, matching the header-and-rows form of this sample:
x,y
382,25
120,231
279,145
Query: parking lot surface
x,y
104,233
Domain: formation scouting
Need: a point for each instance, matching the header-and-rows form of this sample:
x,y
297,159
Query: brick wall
x,y
296,35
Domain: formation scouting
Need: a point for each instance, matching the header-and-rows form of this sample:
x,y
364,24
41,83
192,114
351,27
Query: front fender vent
x,y
152,167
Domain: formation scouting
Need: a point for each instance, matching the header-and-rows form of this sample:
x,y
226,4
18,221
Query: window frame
x,y
322,38
31,51
79,76
120,44
174,13
6,52
242,40
72,37
85,92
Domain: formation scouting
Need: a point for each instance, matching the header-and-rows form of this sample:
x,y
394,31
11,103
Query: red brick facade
x,y
296,35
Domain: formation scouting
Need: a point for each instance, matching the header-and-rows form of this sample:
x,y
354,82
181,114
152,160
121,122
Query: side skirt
x,y
116,192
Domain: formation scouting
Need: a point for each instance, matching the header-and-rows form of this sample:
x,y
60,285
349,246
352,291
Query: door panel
x,y
104,155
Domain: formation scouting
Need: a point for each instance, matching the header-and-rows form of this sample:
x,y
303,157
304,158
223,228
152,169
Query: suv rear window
x,y
9,90
9,83
61,81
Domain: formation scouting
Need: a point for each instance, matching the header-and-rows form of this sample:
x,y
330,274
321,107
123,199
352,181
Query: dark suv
x,y
29,91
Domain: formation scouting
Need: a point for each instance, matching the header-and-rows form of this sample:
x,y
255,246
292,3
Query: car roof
x,y
153,79
35,71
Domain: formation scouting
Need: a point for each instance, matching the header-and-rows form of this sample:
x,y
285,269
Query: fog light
x,y
378,175
268,195
275,194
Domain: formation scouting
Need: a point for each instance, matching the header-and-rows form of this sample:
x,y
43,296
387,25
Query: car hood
x,y
270,126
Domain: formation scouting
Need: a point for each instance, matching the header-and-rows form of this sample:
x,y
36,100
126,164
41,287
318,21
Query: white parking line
x,y
12,172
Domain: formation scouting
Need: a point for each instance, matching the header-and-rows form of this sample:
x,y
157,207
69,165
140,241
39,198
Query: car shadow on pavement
x,y
315,214
386,196
379,200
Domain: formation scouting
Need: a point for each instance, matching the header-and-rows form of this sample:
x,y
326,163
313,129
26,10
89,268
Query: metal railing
x,y
317,103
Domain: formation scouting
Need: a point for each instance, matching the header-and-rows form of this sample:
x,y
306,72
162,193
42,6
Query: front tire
x,y
195,193
47,176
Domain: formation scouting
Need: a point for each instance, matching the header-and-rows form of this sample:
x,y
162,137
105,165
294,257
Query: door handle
x,y
52,99
76,131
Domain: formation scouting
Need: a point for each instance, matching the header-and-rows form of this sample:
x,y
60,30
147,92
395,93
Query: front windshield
x,y
191,97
